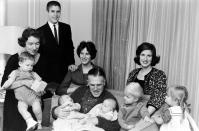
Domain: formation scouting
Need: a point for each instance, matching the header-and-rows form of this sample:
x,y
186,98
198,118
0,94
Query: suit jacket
x,y
57,56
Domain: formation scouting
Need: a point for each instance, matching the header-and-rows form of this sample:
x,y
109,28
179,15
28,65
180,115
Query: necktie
x,y
55,31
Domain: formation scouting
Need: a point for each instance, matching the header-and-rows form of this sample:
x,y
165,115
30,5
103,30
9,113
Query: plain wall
x,y
81,21
32,13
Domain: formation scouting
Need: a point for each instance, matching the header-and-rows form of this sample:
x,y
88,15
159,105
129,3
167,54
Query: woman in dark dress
x,y
30,41
74,79
152,80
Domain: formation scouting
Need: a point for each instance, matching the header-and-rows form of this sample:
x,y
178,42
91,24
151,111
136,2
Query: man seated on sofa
x,y
90,95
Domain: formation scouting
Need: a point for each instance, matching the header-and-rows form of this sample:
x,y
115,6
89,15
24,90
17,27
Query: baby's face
x,y
26,65
65,100
108,105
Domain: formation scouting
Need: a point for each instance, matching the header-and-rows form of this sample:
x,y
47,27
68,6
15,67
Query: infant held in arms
x,y
77,121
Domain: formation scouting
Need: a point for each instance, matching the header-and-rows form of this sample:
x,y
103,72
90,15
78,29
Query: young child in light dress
x,y
175,116
134,108
27,86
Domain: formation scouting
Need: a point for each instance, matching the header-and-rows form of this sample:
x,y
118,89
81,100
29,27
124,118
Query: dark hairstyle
x,y
147,46
98,71
52,3
90,46
26,34
26,56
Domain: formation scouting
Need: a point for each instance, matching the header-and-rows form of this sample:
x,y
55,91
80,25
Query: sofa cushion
x,y
118,95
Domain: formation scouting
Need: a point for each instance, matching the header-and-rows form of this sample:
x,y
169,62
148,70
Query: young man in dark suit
x,y
58,47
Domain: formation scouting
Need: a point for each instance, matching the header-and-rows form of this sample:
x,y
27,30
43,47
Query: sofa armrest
x,y
49,103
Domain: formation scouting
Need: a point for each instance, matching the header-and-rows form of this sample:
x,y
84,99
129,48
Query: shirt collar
x,y
51,25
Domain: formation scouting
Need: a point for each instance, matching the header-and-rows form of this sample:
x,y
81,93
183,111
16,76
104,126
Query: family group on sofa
x,y
46,66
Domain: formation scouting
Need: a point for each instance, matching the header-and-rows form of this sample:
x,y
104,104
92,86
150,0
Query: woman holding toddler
x,y
30,41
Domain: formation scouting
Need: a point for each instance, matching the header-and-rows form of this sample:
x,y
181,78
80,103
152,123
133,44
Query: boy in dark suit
x,y
58,47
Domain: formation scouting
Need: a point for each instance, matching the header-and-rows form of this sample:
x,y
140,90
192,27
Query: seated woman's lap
x,y
13,121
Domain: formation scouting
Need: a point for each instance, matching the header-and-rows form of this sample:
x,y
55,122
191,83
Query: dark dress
x,y
12,119
76,77
57,56
154,84
84,97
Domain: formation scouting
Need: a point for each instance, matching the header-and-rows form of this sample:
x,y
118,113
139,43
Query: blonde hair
x,y
180,94
135,89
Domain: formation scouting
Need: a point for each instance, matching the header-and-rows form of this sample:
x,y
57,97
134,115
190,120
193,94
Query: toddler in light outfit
x,y
175,117
23,81
134,108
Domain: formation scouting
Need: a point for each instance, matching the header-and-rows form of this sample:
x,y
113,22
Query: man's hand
x,y
62,112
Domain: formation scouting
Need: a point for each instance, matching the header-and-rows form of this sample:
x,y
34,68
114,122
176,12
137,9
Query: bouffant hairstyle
x,y
26,34
90,46
147,46
135,89
52,3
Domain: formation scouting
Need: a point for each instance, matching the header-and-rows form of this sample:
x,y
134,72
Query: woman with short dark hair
x,y
152,80
30,41
73,79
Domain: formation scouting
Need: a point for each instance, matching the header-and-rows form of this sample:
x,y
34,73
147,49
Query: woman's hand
x,y
151,109
40,93
61,111
72,68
